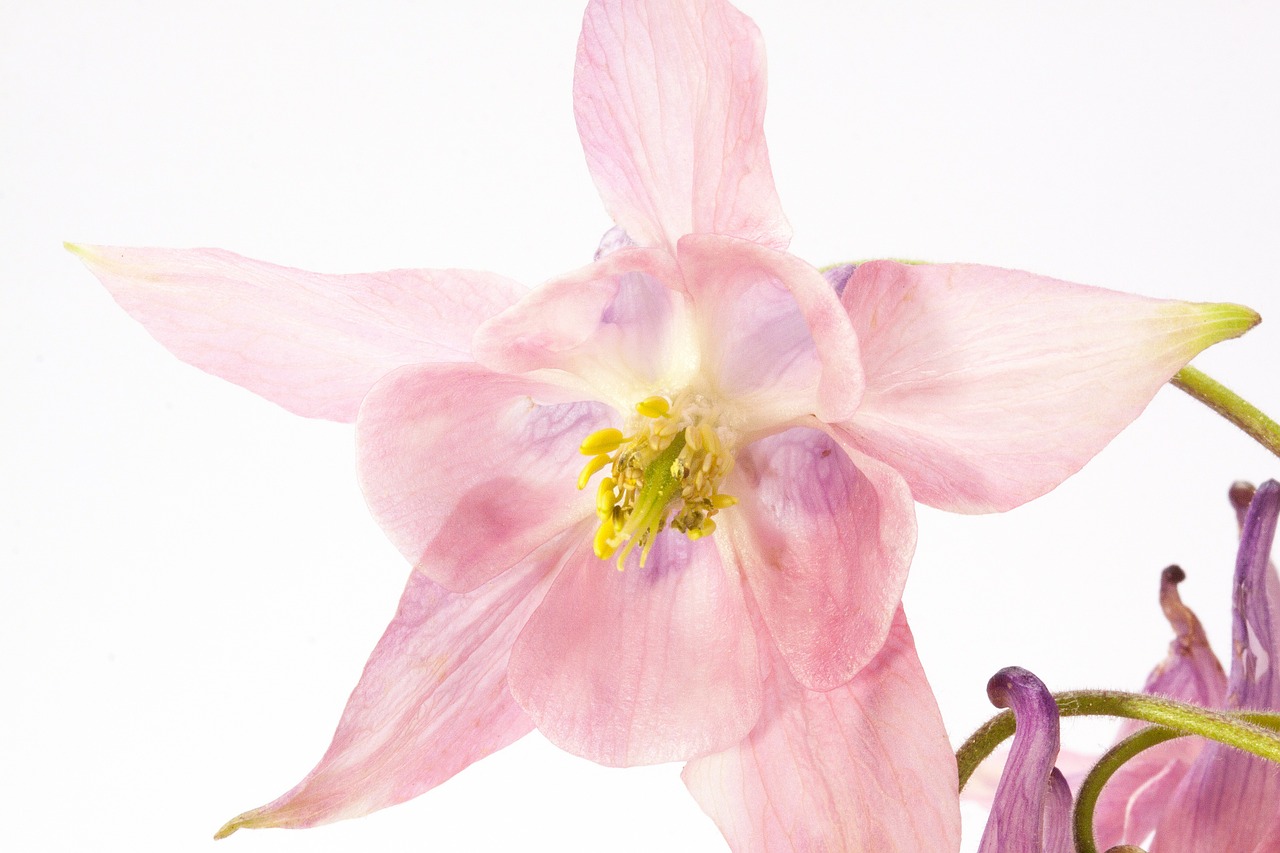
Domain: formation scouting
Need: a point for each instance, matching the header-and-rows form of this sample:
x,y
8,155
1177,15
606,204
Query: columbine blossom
x,y
740,434
1031,811
1198,796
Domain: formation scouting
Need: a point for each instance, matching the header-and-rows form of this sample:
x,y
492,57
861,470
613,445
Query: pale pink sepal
x,y
774,337
654,663
312,343
825,536
1139,792
469,471
987,387
866,766
669,97
620,325
432,700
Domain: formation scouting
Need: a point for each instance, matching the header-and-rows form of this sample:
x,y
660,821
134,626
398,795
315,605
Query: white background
x,y
190,581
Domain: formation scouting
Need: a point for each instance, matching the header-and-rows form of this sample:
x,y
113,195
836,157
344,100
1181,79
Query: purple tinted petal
x,y
1228,800
1190,672
1134,799
1017,820
1254,682
1057,815
838,276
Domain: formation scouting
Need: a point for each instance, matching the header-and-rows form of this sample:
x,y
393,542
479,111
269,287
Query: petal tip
x,y
252,819
1224,320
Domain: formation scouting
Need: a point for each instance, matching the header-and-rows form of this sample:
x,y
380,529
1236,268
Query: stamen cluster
x,y
666,472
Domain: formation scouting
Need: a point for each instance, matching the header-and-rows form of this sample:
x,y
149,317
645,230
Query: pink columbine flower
x,y
742,436
1198,796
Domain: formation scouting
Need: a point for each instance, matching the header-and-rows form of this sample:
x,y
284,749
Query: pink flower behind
x,y
753,439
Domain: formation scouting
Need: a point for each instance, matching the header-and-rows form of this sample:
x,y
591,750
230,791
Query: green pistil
x,y
657,491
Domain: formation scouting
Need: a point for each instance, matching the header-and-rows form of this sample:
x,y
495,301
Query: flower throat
x,y
667,472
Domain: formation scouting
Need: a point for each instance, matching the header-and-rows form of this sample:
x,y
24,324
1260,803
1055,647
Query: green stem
x,y
1179,716
1108,764
1230,405
1115,758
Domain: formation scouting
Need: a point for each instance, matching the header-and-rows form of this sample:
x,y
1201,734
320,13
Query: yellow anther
x,y
693,438
596,463
604,498
723,501
705,529
709,439
601,441
601,543
653,407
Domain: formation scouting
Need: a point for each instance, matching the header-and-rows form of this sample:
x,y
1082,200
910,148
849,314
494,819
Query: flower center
x,y
666,472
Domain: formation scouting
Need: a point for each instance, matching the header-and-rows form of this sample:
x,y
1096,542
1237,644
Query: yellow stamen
x,y
693,438
709,439
589,471
604,498
653,407
602,441
601,543
723,501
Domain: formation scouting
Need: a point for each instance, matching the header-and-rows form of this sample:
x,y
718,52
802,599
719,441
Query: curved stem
x,y
1108,764
1230,405
1181,717
1114,758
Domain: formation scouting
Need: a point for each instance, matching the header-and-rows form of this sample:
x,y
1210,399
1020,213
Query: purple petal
x,y
1057,815
1228,800
1017,820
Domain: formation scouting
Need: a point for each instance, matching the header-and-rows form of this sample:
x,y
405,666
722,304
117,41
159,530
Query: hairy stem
x,y
1178,716
1114,758
1230,405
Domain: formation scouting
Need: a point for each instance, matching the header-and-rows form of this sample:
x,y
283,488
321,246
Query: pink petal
x,y
866,766
312,343
988,387
433,699
1138,794
669,97
469,471
775,339
644,665
825,537
620,325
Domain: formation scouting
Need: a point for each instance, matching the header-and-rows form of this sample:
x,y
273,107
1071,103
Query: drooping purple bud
x,y
1032,807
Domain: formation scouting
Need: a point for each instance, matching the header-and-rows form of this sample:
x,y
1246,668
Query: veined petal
x,y
669,98
1228,800
469,471
314,344
654,663
1017,822
825,536
1139,792
621,325
432,700
866,766
986,388
1057,815
775,339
